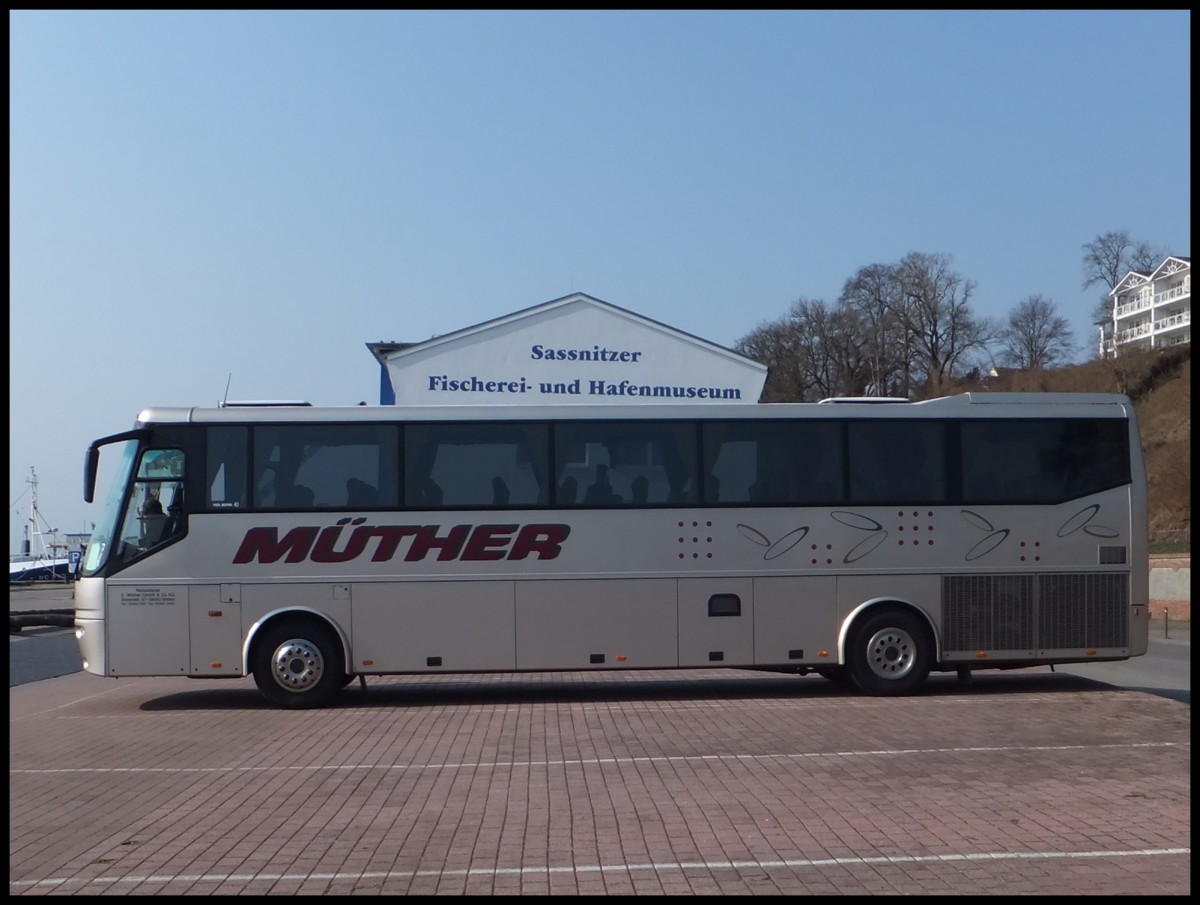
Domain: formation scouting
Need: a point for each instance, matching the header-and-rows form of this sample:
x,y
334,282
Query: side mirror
x,y
90,465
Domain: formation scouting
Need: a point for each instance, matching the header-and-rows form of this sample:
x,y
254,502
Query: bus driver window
x,y
147,524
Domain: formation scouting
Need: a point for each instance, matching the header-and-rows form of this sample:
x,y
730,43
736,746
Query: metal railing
x,y
1175,320
1145,301
1134,332
1175,292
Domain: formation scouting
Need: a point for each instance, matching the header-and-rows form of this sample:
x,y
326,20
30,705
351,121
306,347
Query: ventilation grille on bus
x,y
988,612
1112,556
1024,612
1084,610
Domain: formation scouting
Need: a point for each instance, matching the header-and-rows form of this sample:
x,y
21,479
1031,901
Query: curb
x,y
60,618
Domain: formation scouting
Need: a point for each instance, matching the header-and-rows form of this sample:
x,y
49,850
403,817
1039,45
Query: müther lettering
x,y
383,543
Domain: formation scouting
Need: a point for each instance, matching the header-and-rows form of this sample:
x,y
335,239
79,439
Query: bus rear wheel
x,y
298,664
890,653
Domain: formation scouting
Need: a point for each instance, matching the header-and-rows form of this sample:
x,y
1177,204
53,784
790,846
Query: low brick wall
x,y
1171,587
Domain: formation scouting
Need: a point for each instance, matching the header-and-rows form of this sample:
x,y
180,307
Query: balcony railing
x,y
1176,292
1181,319
1133,307
1134,332
1143,302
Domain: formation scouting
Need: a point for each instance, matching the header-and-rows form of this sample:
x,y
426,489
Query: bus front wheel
x,y
297,664
890,653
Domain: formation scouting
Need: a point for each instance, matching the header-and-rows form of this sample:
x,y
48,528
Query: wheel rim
x,y
891,653
297,665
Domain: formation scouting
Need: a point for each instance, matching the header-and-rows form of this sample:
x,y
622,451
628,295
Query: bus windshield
x,y
101,542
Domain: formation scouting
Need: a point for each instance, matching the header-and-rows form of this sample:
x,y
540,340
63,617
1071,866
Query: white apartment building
x,y
1150,309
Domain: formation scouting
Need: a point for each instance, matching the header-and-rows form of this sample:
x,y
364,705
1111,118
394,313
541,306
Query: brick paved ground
x,y
718,781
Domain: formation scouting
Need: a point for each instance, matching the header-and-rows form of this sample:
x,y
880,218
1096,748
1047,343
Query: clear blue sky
x,y
195,194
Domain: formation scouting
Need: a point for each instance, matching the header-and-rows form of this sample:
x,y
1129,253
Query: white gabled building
x,y
1150,309
576,349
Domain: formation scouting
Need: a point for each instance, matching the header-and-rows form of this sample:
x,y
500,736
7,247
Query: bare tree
x,y
1035,337
896,327
812,352
874,296
774,344
1108,258
937,317
850,352
816,326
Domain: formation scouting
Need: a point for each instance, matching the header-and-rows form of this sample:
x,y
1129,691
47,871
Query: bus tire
x,y
890,653
298,664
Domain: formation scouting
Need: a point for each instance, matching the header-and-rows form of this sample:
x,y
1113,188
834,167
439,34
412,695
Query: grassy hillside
x,y
1160,385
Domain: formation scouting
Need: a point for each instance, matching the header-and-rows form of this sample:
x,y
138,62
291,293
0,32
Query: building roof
x,y
1171,264
385,352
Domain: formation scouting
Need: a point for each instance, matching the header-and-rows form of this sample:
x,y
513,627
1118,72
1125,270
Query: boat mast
x,y
33,531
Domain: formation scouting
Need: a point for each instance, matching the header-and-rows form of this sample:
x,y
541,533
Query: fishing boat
x,y
38,560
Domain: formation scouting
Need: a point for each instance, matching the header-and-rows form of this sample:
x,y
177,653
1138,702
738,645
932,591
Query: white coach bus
x,y
868,543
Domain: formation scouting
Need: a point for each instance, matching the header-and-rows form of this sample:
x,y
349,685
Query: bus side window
x,y
712,489
225,467
360,493
500,492
897,462
640,487
732,463
425,493
568,490
600,492
298,496
476,465
324,466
